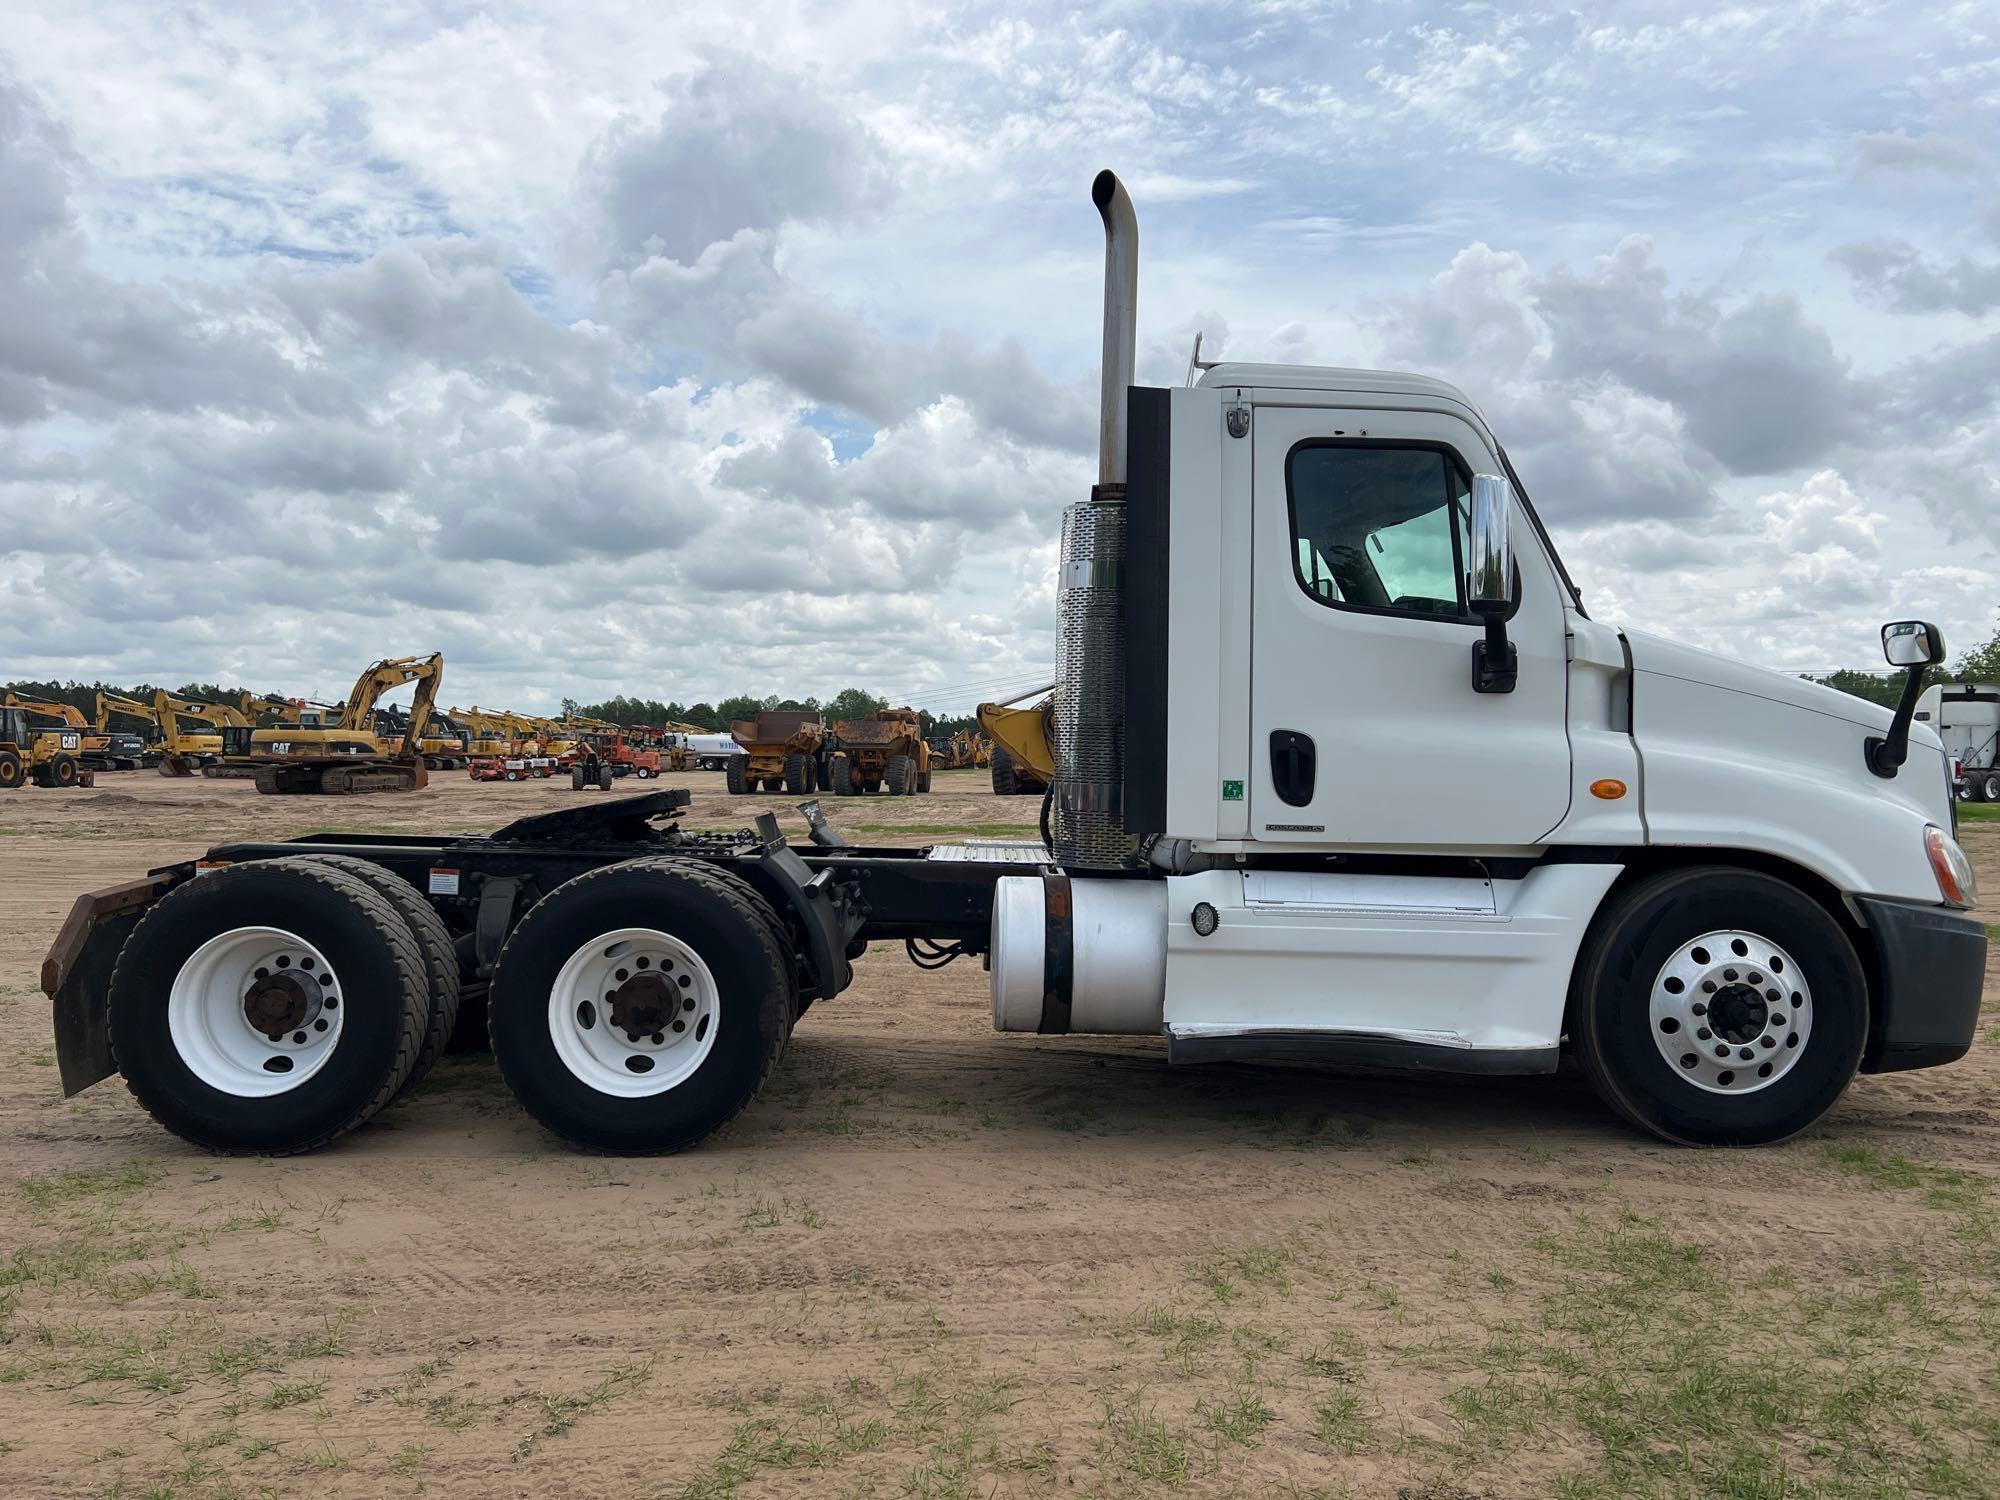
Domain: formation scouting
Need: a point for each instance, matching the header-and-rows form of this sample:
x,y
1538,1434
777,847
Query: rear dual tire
x,y
570,991
1718,1007
296,946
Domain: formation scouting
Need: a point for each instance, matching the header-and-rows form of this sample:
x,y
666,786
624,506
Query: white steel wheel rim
x,y
634,1013
1731,1012
241,981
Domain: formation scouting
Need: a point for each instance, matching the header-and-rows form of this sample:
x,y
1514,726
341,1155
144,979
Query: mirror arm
x,y
1886,753
1496,664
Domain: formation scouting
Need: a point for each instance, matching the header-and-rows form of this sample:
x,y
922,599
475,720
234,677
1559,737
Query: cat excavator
x,y
345,754
184,752
253,706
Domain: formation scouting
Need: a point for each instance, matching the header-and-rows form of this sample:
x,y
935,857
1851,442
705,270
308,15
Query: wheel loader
x,y
781,751
885,751
344,755
1024,757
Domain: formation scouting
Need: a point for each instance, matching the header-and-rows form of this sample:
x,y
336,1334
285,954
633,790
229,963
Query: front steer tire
x,y
724,922
382,984
1611,1026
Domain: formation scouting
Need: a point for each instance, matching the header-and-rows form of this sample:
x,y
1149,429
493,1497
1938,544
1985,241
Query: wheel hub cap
x,y
634,1012
1730,1012
255,1011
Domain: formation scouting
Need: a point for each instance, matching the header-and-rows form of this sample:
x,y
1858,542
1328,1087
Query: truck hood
x,y
1657,654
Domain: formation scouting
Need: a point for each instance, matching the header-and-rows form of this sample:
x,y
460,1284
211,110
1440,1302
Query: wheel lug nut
x,y
659,1037
1700,1009
1703,1034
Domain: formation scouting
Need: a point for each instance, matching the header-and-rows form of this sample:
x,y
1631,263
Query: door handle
x,y
1294,764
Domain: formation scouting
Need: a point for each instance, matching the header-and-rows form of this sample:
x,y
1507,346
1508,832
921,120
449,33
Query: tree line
x,y
848,703
1980,664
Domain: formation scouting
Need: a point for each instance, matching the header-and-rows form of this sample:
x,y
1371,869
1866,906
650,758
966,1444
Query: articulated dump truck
x,y
884,752
781,753
1721,891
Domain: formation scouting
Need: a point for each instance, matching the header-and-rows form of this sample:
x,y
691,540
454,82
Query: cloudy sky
x,y
683,349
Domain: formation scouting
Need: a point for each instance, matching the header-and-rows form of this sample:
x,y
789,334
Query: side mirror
x,y
1913,645
1489,578
1489,564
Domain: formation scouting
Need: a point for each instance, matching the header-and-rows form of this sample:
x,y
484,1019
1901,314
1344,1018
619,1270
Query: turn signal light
x,y
1610,789
1956,882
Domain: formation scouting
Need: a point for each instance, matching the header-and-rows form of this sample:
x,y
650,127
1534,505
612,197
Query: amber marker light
x,y
1610,789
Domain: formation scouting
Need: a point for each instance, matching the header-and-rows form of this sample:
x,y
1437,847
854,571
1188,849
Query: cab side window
x,y
1379,527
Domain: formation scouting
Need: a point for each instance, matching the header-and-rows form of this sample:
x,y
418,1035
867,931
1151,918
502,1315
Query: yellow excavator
x,y
136,708
1024,735
185,752
492,733
345,755
253,706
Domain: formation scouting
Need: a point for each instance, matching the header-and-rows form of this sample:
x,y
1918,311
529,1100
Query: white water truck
x,y
1346,775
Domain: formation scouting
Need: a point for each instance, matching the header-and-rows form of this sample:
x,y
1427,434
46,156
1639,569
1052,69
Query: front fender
x,y
1726,769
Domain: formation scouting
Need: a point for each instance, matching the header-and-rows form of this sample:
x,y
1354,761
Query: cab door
x,y
1366,728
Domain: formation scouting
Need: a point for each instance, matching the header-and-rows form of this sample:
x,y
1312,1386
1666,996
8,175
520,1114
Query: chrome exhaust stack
x,y
1086,813
1121,322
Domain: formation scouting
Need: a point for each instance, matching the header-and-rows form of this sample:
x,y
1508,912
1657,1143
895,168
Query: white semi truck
x,y
1966,717
1346,774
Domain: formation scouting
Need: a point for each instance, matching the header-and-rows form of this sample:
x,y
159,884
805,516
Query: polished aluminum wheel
x,y
1731,1012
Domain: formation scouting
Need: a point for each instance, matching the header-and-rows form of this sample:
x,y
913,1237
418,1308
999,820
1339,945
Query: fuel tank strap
x,y
1058,955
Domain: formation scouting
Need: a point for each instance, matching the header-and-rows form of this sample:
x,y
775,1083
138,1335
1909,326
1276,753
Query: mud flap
x,y
820,906
76,975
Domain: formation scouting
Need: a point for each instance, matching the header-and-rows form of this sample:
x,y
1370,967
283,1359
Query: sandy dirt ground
x,y
935,1261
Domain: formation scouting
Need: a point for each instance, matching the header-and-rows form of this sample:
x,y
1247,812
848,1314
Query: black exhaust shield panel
x,y
1147,525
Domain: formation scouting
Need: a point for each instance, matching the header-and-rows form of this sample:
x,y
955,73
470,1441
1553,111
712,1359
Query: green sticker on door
x,y
1232,791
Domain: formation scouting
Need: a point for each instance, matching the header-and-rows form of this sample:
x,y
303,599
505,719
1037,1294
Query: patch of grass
x,y
1185,1340
1072,1116
1947,1189
1264,1268
1135,1443
1238,1419
752,1447
453,1413
1979,812
298,1393
71,1188
561,1412
1338,1423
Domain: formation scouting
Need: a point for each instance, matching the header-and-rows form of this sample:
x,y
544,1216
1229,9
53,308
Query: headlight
x,y
1956,882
